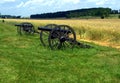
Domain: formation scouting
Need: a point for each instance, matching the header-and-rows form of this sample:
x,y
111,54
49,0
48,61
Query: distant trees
x,y
49,15
115,12
9,16
100,12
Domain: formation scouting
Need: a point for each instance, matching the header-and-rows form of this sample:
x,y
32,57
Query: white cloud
x,y
33,2
5,1
102,2
20,5
98,2
92,1
46,2
49,3
71,1
8,0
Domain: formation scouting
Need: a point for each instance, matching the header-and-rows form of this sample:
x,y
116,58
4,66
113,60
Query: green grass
x,y
103,32
24,60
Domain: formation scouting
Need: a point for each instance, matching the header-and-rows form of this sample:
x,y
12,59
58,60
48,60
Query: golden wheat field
x,y
100,31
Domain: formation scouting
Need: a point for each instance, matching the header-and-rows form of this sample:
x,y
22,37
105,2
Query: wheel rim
x,y
64,37
45,34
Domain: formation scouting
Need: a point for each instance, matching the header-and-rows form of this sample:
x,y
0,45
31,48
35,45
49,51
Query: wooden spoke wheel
x,y
61,37
45,34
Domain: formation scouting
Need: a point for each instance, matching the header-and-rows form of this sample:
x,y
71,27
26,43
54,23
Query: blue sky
x,y
28,7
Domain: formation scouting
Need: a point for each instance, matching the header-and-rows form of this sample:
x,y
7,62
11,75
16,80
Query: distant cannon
x,y
25,27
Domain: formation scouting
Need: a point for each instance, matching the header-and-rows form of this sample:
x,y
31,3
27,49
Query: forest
x,y
9,16
96,12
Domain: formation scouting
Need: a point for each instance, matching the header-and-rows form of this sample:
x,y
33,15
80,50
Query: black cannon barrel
x,y
23,25
44,29
17,24
50,29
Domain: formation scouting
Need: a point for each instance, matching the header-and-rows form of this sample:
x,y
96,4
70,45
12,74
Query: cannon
x,y
25,28
57,36
53,35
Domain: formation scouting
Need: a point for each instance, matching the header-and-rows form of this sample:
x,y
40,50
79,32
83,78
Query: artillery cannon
x,y
57,36
52,35
25,27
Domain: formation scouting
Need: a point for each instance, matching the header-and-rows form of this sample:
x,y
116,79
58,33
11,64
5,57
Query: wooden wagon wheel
x,y
45,34
61,37
26,28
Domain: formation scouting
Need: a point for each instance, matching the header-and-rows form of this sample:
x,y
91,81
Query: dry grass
x,y
105,32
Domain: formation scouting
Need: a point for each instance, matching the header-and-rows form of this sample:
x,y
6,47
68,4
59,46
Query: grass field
x,y
24,60
104,32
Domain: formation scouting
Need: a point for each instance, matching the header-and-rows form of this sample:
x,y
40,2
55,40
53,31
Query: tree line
x,y
9,16
98,12
94,12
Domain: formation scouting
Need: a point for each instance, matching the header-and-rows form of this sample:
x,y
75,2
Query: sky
x,y
28,7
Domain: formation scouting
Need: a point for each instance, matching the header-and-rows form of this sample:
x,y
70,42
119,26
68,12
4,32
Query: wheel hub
x,y
62,39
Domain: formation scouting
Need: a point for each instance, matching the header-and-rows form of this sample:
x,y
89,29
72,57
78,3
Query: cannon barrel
x,y
17,24
50,29
44,29
23,25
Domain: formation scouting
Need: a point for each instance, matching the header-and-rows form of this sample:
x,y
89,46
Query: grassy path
x,y
24,60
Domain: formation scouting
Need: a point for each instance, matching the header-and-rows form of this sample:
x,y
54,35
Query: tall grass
x,y
107,30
